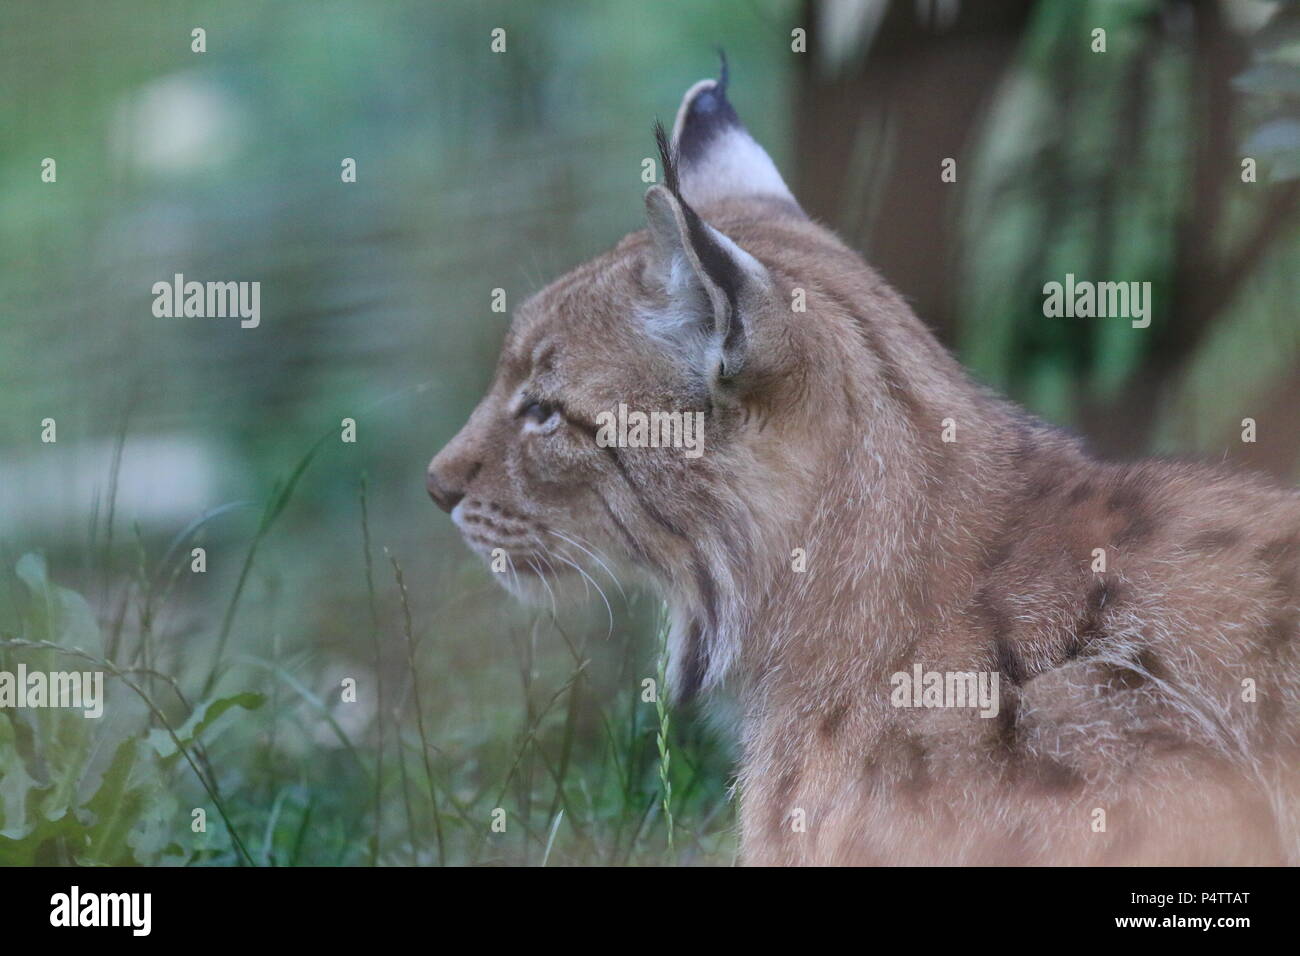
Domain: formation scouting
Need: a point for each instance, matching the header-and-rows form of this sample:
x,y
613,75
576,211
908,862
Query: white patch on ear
x,y
679,329
682,326
752,268
731,165
668,230
687,327
662,217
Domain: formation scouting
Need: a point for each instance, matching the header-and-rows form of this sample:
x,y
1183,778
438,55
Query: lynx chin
x,y
1161,689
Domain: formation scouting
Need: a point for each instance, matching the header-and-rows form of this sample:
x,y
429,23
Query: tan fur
x,y
1121,691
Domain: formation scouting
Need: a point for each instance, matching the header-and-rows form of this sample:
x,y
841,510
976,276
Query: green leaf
x,y
18,788
48,764
203,717
132,813
57,614
65,739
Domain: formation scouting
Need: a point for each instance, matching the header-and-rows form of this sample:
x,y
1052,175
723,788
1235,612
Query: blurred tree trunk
x,y
874,129
1205,280
921,88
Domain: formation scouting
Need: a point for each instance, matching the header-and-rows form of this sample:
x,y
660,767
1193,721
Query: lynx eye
x,y
537,412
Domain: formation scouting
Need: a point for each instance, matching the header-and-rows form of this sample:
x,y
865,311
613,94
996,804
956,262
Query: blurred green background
x,y
479,170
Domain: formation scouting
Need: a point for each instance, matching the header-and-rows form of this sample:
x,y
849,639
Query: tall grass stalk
x,y
419,709
275,505
379,676
665,752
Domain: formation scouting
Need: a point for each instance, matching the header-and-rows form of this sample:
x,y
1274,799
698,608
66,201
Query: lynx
x,y
862,510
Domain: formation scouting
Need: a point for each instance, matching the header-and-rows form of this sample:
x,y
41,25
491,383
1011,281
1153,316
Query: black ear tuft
x,y
715,261
668,158
708,114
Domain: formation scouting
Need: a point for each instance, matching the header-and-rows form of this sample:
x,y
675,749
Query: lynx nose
x,y
444,497
449,476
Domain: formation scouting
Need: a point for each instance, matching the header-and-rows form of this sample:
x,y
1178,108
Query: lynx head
x,y
706,317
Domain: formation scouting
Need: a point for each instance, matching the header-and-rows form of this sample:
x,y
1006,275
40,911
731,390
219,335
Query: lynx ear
x,y
711,282
718,157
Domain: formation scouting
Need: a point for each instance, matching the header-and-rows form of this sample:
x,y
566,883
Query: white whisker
x,y
546,554
513,573
599,590
546,584
593,557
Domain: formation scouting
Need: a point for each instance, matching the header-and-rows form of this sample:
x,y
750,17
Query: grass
x,y
566,755
662,738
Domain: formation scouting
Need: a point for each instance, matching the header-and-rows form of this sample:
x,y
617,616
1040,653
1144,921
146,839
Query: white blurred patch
x,y
1247,16
177,124
163,482
846,29
353,718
